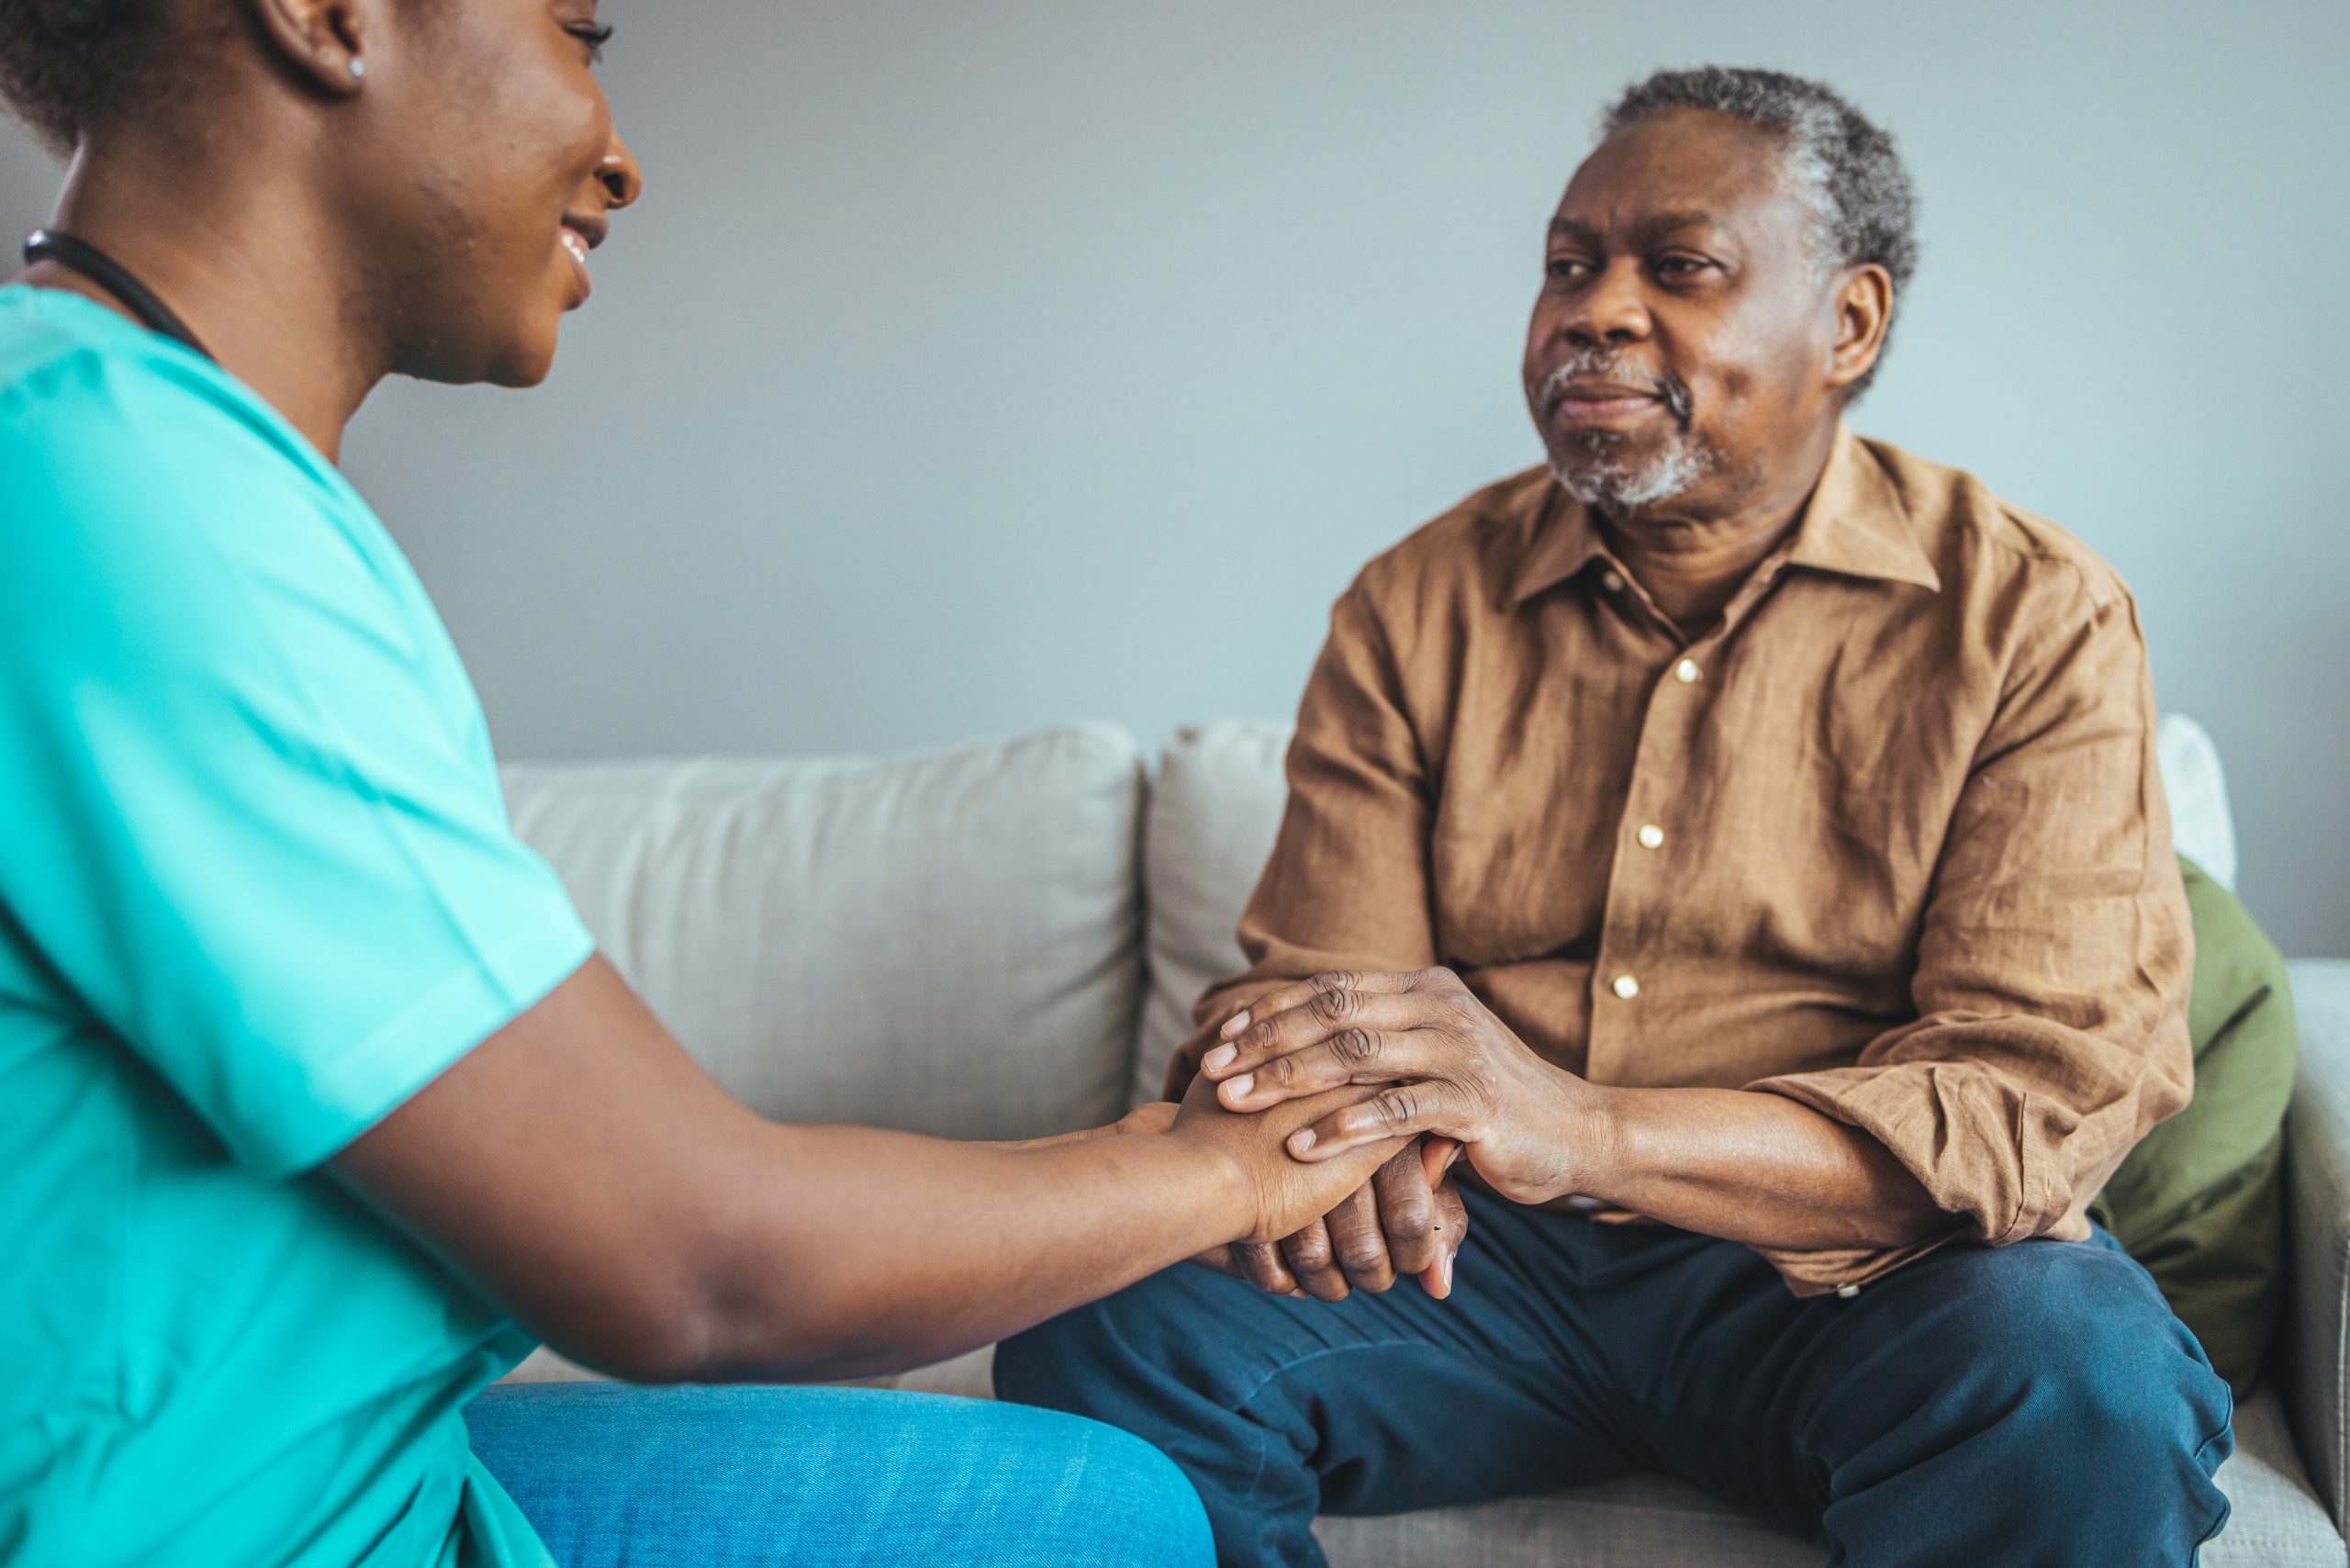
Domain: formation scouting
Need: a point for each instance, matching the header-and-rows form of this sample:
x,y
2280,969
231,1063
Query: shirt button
x,y
1613,582
1651,836
1687,672
1627,987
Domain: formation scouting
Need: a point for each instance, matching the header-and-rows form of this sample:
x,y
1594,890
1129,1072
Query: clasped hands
x,y
1457,1081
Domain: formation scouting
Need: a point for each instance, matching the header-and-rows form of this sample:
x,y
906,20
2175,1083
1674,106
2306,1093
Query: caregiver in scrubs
x,y
317,1106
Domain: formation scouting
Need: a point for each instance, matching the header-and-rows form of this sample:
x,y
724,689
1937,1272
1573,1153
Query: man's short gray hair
x,y
1864,206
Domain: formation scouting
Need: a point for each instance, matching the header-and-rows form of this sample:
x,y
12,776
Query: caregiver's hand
x,y
1284,1193
1451,1067
1330,1254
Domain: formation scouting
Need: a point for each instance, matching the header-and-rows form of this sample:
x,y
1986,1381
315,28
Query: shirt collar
x,y
1565,541
1857,523
1854,524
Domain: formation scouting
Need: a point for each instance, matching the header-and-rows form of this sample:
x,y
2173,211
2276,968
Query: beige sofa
x,y
1004,939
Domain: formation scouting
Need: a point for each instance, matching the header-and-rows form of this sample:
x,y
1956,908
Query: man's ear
x,y
1863,306
321,42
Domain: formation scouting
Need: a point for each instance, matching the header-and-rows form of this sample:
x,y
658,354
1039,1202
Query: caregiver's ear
x,y
322,43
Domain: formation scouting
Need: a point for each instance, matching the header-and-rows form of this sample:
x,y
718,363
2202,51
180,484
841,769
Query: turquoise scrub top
x,y
257,888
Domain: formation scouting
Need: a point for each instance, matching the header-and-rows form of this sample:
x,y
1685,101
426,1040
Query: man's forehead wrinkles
x,y
1634,222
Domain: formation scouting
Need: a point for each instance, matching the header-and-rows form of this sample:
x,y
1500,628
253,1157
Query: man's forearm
x,y
1745,1165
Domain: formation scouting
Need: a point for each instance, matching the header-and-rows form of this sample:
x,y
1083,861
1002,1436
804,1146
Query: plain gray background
x,y
974,367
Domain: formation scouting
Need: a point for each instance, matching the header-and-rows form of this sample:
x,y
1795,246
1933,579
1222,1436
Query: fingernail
x,y
1220,1057
1234,1024
1301,1140
1237,1088
1447,1272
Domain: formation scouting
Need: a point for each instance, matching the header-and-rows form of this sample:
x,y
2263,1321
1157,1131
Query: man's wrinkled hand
x,y
1408,1219
1441,1061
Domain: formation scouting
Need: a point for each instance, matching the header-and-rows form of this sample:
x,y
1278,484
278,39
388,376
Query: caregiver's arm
x,y
588,1175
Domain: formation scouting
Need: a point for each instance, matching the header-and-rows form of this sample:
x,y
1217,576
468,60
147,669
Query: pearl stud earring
x,y
358,68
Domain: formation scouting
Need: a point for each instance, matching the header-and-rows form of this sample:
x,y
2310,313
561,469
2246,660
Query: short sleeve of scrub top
x,y
258,829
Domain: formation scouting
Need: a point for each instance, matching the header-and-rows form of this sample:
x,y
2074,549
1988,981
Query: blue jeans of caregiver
x,y
612,1476
2037,1403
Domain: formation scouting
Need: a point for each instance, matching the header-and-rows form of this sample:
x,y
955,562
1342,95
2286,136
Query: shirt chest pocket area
x,y
1857,819
1519,866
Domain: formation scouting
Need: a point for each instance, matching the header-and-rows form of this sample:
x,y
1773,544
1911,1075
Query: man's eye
x,y
1566,268
595,38
1678,266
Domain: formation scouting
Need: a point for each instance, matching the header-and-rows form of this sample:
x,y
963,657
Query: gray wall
x,y
971,367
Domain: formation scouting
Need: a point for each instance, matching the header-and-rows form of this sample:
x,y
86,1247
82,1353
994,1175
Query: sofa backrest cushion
x,y
1215,808
947,943
1217,803
2202,824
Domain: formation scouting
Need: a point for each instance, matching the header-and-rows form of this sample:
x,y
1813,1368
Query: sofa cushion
x,y
945,943
1217,804
1214,806
2202,826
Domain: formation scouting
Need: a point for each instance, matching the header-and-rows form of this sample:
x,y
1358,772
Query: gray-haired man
x,y
1746,833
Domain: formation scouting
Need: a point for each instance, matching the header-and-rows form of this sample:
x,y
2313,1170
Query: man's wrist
x,y
1591,1137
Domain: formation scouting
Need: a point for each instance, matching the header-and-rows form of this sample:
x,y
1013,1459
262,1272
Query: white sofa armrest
x,y
2317,1159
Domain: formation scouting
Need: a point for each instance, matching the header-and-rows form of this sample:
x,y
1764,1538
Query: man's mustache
x,y
1664,387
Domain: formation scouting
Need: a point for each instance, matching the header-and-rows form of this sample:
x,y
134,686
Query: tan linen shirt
x,y
1889,841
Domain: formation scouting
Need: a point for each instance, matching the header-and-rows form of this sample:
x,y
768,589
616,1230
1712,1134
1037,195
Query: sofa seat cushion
x,y
946,942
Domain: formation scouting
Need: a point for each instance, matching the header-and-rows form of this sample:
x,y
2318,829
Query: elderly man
x,y
1743,842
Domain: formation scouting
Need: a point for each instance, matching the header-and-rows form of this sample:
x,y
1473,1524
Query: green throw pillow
x,y
2198,1203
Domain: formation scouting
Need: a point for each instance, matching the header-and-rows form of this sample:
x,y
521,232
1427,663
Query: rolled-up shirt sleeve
x,y
2052,967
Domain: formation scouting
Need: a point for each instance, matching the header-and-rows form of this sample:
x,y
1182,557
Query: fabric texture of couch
x,y
1004,939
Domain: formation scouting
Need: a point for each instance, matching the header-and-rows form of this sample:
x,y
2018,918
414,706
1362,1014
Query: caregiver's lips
x,y
581,234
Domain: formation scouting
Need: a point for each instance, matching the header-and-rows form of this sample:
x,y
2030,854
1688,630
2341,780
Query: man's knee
x,y
2048,1383
2071,1348
1069,1362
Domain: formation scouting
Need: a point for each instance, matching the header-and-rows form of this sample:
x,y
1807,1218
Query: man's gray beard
x,y
1617,487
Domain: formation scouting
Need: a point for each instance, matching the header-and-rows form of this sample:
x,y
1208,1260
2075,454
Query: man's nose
x,y
1612,309
623,182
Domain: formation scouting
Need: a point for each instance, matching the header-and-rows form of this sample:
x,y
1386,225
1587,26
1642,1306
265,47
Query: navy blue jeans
x,y
612,1476
2036,1403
